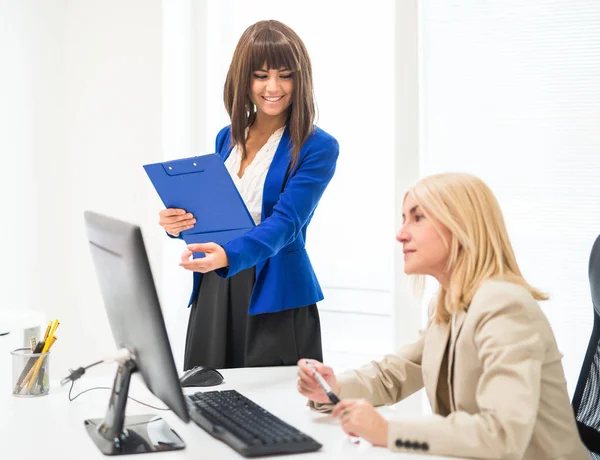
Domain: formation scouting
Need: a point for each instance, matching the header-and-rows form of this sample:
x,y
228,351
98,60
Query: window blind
x,y
510,91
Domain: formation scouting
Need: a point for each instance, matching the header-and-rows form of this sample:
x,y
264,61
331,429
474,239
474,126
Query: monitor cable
x,y
120,356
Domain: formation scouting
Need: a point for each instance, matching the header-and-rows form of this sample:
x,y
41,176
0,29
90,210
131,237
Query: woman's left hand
x,y
214,258
359,418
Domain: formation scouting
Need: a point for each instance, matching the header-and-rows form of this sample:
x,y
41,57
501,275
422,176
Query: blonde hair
x,y
480,248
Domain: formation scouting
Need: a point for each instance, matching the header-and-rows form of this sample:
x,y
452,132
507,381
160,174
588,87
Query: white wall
x,y
32,142
30,139
511,93
83,81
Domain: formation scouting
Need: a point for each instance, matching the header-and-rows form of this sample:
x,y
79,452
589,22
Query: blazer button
x,y
425,446
399,443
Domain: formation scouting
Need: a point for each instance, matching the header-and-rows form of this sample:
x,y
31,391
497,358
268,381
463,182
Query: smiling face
x,y
271,91
425,242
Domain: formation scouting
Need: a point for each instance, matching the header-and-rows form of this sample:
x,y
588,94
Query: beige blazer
x,y
498,393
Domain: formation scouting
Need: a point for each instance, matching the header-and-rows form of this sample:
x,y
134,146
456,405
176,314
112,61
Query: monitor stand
x,y
120,435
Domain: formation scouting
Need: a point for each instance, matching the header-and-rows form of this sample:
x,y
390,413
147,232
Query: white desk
x,y
60,433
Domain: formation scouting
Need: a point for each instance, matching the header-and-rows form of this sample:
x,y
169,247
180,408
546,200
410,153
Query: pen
x,y
330,394
323,384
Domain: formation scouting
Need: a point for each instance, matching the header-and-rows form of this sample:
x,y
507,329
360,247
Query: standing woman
x,y
254,298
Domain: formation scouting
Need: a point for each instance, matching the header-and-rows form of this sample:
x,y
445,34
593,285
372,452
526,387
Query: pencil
x,y
42,373
36,369
47,331
28,367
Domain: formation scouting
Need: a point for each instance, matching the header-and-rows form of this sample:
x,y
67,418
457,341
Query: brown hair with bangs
x,y
278,46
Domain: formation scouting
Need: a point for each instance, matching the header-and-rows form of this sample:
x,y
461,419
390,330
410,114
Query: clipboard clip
x,y
183,166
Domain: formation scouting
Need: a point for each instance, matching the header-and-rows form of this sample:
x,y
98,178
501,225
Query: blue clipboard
x,y
202,185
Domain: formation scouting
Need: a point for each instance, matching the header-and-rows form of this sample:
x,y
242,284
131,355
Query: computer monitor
x,y
137,323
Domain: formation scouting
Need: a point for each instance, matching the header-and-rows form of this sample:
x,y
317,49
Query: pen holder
x,y
30,373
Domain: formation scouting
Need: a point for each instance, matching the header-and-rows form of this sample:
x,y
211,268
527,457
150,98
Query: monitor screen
x,y
132,305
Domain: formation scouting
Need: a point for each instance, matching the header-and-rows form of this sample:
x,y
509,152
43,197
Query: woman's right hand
x,y
308,386
175,220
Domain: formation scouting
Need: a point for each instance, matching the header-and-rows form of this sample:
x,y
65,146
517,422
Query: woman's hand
x,y
174,220
215,257
308,386
359,418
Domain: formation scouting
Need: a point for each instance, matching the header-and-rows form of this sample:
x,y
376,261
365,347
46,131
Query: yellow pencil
x,y
51,342
52,330
27,378
38,364
47,331
42,372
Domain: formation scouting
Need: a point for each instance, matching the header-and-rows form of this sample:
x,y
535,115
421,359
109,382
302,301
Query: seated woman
x,y
487,358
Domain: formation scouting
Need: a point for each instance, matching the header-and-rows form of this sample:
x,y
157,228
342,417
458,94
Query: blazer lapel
x,y
433,355
226,148
276,175
274,182
458,321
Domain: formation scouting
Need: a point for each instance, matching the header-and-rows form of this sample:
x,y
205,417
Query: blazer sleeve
x,y
508,392
295,206
388,381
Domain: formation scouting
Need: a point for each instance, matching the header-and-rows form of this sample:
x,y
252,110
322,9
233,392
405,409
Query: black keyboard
x,y
245,426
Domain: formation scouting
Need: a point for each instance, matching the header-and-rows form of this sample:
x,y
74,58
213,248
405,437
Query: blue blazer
x,y
285,278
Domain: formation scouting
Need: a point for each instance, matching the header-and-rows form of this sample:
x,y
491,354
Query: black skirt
x,y
221,333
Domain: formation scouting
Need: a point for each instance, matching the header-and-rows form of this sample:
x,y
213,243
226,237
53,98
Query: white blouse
x,y
252,182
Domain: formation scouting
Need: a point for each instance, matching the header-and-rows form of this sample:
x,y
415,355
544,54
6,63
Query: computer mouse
x,y
201,376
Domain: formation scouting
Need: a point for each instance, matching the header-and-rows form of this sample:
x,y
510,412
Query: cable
x,y
109,388
120,356
77,373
